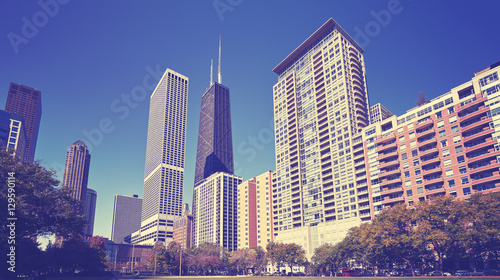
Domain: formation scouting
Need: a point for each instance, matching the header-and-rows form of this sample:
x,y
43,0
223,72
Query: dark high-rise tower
x,y
215,144
215,148
27,102
214,194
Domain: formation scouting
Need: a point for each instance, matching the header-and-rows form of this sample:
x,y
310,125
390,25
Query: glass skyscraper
x,y
215,144
164,171
215,188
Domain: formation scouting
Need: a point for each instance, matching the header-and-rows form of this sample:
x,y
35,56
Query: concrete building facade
x,y
126,217
165,159
255,219
447,146
320,104
215,199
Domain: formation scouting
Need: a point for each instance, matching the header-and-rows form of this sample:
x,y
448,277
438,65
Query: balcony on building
x,y
479,132
480,111
478,144
424,124
482,154
394,188
428,150
426,131
389,171
485,177
389,163
474,122
388,154
429,160
385,141
432,179
392,199
427,140
471,103
485,165
432,169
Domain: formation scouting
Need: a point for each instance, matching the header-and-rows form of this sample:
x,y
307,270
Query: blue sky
x,y
86,57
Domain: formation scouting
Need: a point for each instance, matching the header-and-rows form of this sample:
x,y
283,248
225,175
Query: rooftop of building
x,y
313,40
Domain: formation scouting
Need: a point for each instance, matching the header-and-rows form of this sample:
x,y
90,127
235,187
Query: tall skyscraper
x,y
320,103
214,209
27,102
164,171
215,142
76,170
126,217
90,204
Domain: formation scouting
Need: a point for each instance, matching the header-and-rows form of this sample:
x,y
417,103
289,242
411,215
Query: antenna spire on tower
x,y
211,71
219,75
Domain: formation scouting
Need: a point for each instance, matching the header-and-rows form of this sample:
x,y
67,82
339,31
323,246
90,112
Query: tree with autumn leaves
x,y
442,234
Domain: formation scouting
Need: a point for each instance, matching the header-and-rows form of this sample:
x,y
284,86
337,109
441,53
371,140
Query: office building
x,y
215,144
214,194
216,210
27,102
90,204
76,170
183,228
320,103
164,168
255,220
448,146
12,136
126,217
378,113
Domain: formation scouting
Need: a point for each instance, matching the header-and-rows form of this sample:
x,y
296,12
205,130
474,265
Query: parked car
x,y
462,273
435,273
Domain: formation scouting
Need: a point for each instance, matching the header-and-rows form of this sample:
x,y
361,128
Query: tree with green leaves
x,y
276,254
157,259
394,232
260,259
243,259
99,244
40,207
440,225
294,255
